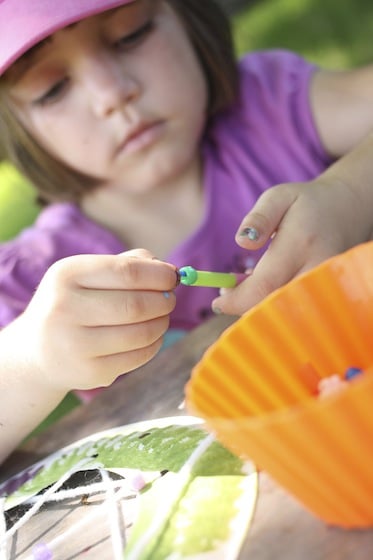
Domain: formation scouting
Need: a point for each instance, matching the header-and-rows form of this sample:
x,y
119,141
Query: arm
x,y
342,107
92,318
309,222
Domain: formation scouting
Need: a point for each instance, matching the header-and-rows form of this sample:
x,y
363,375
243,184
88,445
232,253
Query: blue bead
x,y
352,372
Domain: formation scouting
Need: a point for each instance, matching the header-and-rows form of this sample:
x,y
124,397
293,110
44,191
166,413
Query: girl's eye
x,y
53,93
133,39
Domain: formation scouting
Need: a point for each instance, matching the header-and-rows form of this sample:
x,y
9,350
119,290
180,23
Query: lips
x,y
141,137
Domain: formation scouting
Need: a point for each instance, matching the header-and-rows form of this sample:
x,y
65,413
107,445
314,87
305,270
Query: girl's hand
x,y
308,223
94,317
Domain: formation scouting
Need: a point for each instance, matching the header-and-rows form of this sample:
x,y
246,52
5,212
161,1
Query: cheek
x,y
63,136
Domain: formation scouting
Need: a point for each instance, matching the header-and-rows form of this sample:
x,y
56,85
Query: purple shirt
x,y
268,137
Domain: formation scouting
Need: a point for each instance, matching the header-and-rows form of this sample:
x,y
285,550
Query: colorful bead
x,y
137,481
352,372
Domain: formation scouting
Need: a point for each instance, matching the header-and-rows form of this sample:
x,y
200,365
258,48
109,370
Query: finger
x,y
94,308
260,224
106,341
114,272
277,266
116,364
102,371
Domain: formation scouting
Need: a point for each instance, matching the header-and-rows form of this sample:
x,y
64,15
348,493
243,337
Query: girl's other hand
x,y
308,223
94,317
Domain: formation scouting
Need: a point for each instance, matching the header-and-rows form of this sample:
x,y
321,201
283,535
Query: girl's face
x,y
119,96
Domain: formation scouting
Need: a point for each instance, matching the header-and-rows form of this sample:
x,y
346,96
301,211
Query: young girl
x,y
138,129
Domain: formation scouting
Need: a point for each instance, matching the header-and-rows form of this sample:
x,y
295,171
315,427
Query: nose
x,y
109,86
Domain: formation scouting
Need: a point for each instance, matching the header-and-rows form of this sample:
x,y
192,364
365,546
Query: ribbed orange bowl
x,y
256,388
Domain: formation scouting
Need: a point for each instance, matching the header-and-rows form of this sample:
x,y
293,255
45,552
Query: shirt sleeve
x,y
275,99
60,231
19,277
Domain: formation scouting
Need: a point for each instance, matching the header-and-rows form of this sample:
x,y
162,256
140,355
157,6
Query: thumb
x,y
276,267
262,222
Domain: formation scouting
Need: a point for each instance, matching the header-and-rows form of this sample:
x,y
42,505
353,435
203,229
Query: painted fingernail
x,y
216,310
250,233
166,295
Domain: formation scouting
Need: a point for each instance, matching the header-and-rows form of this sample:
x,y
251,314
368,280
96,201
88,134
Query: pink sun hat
x,y
23,23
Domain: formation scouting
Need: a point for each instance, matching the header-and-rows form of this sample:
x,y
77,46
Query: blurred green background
x,y
332,33
17,205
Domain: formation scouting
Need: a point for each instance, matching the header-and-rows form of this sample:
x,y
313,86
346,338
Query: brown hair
x,y
209,31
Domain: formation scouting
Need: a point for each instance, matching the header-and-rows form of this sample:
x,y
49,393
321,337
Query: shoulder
x,y
271,127
274,93
36,247
60,231
264,63
50,228
272,71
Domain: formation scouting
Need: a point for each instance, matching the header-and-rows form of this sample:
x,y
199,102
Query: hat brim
x,y
24,23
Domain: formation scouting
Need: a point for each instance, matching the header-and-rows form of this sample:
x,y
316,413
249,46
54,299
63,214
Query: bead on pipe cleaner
x,y
352,372
189,276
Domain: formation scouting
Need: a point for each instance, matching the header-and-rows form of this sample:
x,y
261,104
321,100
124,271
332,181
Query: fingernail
x,y
178,277
166,295
216,310
250,233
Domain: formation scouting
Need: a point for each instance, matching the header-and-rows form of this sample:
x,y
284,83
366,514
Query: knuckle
x,y
61,270
134,306
129,269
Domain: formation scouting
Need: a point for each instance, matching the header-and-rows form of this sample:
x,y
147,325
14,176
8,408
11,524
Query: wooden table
x,y
282,529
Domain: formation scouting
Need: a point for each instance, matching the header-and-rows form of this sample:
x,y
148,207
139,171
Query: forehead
x,y
28,58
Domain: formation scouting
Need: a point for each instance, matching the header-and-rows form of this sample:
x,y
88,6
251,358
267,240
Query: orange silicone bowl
x,y
256,388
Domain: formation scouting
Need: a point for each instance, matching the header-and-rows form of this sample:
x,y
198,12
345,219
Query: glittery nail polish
x,y
250,233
